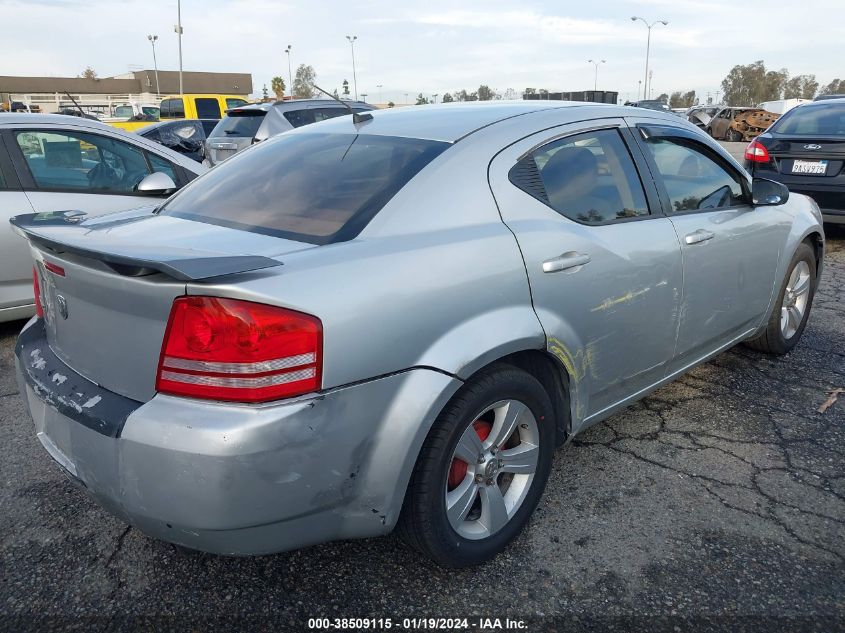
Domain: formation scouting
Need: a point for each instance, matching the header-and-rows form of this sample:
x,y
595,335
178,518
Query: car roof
x,y
450,121
54,119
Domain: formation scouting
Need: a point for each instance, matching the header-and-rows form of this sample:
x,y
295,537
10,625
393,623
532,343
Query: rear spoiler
x,y
61,232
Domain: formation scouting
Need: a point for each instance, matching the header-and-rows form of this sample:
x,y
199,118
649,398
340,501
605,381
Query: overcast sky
x,y
431,46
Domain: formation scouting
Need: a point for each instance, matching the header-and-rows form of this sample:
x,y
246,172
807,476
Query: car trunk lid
x,y
108,284
786,150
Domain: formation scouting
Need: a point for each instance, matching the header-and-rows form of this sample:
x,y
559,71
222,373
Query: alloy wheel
x,y
492,469
795,299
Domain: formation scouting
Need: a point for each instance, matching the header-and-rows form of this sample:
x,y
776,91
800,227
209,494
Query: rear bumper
x,y
239,479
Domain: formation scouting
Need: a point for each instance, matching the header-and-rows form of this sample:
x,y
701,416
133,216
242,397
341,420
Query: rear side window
x,y
207,108
812,120
235,103
316,188
298,118
693,180
589,178
174,109
243,123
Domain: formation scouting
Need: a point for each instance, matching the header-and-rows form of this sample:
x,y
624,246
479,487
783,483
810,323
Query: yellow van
x,y
189,106
196,106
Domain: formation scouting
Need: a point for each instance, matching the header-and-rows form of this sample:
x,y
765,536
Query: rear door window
x,y
321,114
207,108
315,188
589,178
60,160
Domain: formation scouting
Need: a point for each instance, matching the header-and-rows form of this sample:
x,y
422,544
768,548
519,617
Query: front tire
x,y
792,309
482,469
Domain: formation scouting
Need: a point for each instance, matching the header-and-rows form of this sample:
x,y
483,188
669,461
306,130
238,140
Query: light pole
x,y
434,97
648,44
352,39
406,98
639,86
178,29
290,75
596,64
364,96
379,93
153,39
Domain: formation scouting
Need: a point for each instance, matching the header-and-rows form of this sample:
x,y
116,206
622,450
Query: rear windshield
x,y
244,124
316,188
823,119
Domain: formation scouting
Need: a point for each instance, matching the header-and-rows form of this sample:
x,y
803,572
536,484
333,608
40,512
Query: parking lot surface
x,y
718,500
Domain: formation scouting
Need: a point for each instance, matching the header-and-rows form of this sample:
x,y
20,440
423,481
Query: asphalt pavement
x,y
717,503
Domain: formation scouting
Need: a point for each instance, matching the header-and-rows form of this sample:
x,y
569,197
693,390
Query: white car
x,y
59,163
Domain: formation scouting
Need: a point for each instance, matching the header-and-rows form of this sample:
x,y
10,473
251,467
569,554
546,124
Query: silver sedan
x,y
392,321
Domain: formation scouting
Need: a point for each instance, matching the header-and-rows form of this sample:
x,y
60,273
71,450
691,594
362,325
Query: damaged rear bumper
x,y
237,479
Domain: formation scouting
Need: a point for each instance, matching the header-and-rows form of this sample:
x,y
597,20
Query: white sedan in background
x,y
59,163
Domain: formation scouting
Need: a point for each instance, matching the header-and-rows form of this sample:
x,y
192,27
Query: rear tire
x,y
732,135
792,309
464,512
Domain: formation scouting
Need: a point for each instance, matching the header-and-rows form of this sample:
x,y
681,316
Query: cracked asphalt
x,y
717,503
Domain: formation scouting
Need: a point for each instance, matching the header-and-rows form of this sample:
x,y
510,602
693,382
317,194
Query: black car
x,y
186,136
805,150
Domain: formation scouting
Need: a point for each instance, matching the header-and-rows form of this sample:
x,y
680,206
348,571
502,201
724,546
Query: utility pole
x,y
290,74
596,80
648,47
153,39
178,29
379,93
352,39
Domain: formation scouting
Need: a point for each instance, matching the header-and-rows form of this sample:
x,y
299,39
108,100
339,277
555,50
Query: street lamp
x,y
596,64
290,74
406,98
153,39
352,39
648,44
379,93
178,29
364,97
434,97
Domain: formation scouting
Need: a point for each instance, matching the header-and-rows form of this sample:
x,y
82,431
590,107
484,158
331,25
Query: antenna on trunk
x,y
357,117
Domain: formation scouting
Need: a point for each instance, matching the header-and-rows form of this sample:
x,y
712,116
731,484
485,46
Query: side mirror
x,y
765,192
156,184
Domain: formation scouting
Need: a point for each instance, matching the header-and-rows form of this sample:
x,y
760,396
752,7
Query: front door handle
x,y
565,261
696,237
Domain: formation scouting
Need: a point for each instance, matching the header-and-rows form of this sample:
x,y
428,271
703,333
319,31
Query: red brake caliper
x,y
458,469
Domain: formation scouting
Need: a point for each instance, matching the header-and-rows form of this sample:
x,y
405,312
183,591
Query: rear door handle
x,y
696,237
565,261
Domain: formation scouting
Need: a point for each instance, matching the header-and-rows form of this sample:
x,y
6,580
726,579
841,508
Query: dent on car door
x,y
603,263
15,262
730,249
64,169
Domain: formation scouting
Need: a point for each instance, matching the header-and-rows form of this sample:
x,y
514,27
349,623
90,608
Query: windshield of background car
x,y
244,123
316,188
823,119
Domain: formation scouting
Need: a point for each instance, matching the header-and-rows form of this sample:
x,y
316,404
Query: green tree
x,y
265,94
390,104
447,98
801,87
663,97
530,91
303,82
751,84
485,93
277,84
835,87
421,100
680,99
89,73
463,95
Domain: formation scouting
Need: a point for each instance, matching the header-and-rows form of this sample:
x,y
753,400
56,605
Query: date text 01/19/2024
x,y
416,624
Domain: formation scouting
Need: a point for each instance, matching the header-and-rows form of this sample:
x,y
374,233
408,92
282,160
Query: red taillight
x,y
36,290
227,349
54,268
756,152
